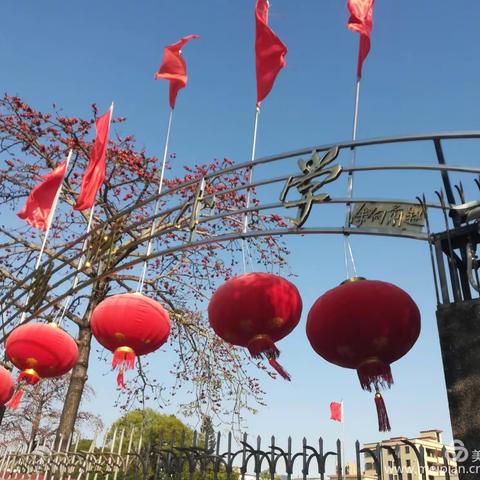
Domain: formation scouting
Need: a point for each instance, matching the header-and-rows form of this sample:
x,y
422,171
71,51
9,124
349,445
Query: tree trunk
x,y
76,386
37,418
79,375
2,413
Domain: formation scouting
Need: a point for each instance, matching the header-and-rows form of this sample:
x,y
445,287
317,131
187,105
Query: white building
x,y
432,443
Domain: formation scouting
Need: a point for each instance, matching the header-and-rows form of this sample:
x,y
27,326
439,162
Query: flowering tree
x,y
36,421
31,143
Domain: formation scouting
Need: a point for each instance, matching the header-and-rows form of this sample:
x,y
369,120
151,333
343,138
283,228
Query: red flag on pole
x,y
361,14
336,412
41,201
270,52
174,68
95,172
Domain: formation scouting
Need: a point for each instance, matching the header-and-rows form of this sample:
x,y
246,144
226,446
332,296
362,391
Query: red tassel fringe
x,y
14,402
383,421
273,362
28,377
262,346
375,373
123,360
121,379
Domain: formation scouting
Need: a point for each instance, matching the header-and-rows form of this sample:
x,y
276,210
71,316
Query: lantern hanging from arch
x,y
365,325
39,350
7,385
255,310
128,325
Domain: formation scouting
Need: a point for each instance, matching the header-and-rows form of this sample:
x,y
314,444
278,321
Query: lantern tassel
x,y
383,421
123,359
282,372
262,346
29,377
374,372
14,402
121,379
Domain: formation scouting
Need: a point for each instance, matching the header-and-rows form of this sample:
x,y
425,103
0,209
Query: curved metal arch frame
x,y
442,168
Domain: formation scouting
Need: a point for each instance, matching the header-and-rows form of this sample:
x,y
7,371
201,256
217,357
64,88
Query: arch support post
x,y
459,331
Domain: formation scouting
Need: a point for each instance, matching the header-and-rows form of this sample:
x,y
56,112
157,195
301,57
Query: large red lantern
x,y
255,310
129,324
40,350
7,385
365,325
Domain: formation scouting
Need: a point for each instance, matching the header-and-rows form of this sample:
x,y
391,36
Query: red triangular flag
x,y
270,52
361,14
95,172
336,412
174,68
40,202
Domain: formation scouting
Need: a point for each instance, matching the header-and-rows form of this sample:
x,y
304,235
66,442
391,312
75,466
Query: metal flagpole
x,y
250,178
67,301
349,260
141,282
47,231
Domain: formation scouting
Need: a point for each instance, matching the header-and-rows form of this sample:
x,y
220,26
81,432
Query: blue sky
x,y
422,76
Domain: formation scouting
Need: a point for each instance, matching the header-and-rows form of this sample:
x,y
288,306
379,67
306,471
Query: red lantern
x,y
129,324
7,385
365,325
40,350
255,310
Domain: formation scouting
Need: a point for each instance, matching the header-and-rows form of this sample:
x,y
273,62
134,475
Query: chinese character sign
x,y
311,169
405,217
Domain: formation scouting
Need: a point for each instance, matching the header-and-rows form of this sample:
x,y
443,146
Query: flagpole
x,y
250,178
47,231
68,299
141,281
353,155
353,158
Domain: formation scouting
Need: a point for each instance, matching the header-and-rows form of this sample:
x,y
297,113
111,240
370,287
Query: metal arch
x,y
375,455
146,220
110,221
319,456
235,235
304,151
395,452
419,454
355,144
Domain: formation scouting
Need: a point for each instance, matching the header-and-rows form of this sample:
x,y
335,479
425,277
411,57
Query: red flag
x,y
41,201
336,411
361,14
174,68
95,172
270,52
